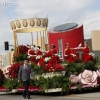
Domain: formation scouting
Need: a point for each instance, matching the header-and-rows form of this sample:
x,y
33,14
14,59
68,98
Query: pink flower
x,y
88,77
89,85
73,87
73,79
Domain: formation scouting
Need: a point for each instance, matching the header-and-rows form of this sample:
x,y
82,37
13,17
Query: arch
x,y
29,26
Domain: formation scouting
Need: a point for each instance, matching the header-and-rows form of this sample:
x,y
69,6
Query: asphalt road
x,y
86,96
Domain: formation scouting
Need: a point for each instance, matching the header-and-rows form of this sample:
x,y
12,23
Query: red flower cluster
x,y
49,67
33,59
58,67
23,49
53,67
13,70
3,89
2,77
98,80
31,88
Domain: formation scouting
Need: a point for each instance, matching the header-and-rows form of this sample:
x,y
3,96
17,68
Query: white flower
x,y
92,54
73,79
73,55
98,72
88,77
28,56
47,59
38,57
55,54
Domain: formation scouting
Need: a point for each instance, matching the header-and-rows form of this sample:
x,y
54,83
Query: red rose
x,y
13,71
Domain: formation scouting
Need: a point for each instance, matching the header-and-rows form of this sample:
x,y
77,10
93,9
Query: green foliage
x,y
90,66
20,58
37,69
96,60
1,82
77,68
79,87
97,65
54,82
12,84
32,83
65,84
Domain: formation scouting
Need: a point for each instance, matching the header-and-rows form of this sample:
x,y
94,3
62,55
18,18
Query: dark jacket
x,y
25,73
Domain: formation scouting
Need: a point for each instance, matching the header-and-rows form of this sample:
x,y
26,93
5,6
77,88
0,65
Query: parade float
x,y
51,76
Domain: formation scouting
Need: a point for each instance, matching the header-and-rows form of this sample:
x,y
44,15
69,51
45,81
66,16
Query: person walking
x,y
25,71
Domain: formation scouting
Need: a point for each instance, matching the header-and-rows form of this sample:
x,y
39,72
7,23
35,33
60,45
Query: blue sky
x,y
58,11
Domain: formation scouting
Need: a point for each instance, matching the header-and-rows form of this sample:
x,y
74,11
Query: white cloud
x,y
91,21
59,11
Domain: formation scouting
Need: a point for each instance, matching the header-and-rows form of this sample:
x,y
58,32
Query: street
x,y
86,96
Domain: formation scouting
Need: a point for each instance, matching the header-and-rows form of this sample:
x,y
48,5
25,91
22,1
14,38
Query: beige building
x,y
2,57
9,57
94,43
95,40
0,61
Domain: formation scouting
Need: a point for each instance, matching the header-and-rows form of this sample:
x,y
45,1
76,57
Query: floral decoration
x,y
2,77
3,89
73,79
13,71
31,88
98,72
23,49
47,59
88,77
38,57
59,67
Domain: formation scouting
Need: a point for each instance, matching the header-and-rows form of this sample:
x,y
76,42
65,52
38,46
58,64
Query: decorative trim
x,y
32,22
29,24
18,24
25,23
38,22
47,23
13,26
44,23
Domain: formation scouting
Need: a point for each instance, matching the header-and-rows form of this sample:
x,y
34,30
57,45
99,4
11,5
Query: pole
x,y
37,39
32,37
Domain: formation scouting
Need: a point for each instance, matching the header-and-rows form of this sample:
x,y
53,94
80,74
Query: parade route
x,y
86,96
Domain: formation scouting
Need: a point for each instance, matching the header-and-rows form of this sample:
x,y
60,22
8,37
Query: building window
x,y
60,52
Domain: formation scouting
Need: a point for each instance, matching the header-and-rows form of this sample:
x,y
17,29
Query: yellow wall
x,y
0,61
95,39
